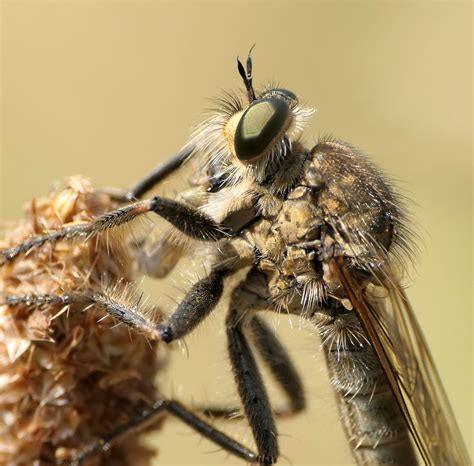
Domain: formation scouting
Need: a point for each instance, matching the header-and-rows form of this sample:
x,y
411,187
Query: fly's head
x,y
250,140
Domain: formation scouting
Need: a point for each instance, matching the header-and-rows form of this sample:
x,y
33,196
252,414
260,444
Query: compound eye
x,y
264,121
291,96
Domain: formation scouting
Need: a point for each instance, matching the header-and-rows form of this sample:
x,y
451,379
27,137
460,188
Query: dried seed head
x,y
67,374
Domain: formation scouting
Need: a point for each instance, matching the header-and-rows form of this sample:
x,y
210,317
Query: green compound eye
x,y
258,127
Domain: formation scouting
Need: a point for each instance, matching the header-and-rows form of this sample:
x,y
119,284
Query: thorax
x,y
287,239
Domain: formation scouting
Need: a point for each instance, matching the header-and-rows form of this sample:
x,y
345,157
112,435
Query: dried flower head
x,y
68,374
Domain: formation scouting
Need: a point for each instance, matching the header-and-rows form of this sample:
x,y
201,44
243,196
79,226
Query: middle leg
x,y
198,303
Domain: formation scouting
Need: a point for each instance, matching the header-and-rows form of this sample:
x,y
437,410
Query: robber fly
x,y
321,234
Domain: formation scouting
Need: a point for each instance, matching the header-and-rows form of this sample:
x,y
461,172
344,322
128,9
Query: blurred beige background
x,y
108,89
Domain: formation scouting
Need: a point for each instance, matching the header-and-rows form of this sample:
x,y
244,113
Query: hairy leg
x,y
200,300
144,418
281,366
187,219
252,392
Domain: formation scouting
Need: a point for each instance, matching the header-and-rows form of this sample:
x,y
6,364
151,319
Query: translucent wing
x,y
395,334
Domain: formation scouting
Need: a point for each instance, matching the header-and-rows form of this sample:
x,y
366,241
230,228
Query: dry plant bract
x,y
68,373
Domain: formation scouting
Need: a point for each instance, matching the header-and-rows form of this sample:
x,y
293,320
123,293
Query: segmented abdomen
x,y
369,413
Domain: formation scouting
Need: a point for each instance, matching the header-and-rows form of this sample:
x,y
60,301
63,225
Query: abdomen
x,y
369,413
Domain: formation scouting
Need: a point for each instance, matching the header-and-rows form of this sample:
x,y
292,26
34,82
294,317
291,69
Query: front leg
x,y
189,220
157,258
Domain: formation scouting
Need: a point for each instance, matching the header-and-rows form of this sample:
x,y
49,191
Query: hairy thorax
x,y
295,234
287,240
